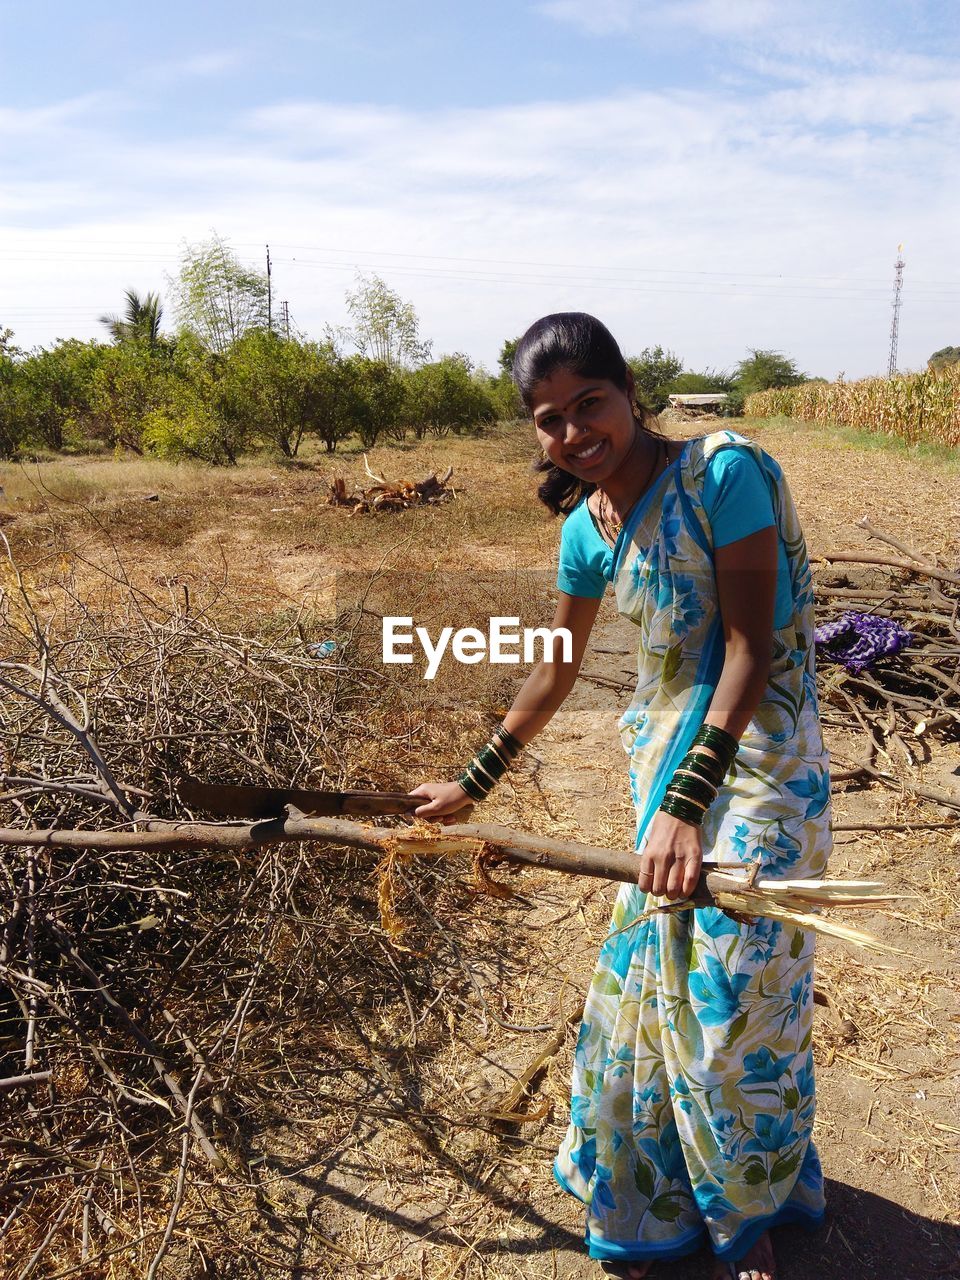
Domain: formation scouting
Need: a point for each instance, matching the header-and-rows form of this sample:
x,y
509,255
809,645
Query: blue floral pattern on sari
x,y
693,1091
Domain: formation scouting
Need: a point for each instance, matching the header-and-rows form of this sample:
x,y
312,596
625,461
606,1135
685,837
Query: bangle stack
x,y
490,764
698,777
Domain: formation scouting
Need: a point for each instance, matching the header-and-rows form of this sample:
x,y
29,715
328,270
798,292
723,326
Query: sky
x,y
707,175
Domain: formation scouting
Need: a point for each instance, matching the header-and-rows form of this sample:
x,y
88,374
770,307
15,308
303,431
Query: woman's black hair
x,y
581,343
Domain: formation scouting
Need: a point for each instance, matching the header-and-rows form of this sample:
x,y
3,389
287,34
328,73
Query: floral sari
x,y
693,1093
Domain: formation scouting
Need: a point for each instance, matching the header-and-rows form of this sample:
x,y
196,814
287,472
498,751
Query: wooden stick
x,y
853,557
947,799
140,1037
896,826
17,1082
897,545
504,843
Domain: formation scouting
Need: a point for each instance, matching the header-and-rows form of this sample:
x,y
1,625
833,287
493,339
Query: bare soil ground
x,y
413,1175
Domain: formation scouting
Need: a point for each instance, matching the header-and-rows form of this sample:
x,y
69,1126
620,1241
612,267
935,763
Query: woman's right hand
x,y
441,800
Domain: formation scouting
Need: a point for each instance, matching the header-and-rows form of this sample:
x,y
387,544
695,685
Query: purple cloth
x,y
858,640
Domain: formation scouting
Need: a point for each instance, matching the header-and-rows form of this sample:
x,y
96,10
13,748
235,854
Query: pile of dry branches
x,y
168,1006
905,701
384,496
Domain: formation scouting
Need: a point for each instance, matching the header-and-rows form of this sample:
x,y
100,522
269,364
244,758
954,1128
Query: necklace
x,y
611,522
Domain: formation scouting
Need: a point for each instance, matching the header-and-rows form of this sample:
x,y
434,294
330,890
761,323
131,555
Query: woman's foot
x,y
627,1270
758,1264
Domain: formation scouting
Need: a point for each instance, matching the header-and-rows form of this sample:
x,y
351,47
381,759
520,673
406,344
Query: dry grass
x,y
281,509
372,1151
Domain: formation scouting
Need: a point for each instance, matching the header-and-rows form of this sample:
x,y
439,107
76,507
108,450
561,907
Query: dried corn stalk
x,y
914,407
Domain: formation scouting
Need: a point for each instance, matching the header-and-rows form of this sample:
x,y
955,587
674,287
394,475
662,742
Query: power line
x,y
835,280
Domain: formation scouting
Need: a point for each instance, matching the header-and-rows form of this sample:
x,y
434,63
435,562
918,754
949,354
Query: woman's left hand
x,y
672,857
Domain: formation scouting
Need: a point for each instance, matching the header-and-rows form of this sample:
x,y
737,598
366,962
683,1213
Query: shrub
x,y
446,396
55,392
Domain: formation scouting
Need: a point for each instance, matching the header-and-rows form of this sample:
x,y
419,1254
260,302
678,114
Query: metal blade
x,y
270,802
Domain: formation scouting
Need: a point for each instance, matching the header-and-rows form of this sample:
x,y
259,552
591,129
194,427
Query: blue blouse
x,y
737,501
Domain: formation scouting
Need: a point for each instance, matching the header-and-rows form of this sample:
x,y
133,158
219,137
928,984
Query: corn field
x,y
916,407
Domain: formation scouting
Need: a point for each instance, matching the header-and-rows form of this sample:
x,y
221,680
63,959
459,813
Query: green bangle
x,y
706,767
687,787
716,762
497,750
725,744
470,787
480,777
513,746
689,778
681,798
686,814
696,780
491,763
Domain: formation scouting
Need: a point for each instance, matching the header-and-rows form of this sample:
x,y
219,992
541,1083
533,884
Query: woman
x,y
693,1095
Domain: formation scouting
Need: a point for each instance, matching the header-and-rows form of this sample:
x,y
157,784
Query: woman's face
x,y
584,425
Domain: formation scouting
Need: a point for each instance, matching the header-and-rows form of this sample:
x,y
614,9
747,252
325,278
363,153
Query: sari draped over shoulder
x,y
693,1094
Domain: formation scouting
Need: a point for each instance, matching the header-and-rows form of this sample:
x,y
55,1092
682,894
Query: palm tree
x,y
140,322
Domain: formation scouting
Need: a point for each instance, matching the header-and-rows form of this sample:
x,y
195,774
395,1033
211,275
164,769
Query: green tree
x,y
216,297
290,388
56,386
12,415
265,375
691,383
130,383
140,323
505,398
446,396
507,353
654,371
386,328
338,406
380,394
762,369
943,358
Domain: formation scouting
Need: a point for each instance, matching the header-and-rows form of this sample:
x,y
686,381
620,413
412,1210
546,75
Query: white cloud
x,y
198,66
700,219
602,17
596,16
19,124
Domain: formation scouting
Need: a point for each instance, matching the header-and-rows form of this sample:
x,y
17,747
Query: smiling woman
x,y
591,431
692,1096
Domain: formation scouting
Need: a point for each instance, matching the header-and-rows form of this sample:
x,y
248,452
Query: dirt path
x,y
886,1125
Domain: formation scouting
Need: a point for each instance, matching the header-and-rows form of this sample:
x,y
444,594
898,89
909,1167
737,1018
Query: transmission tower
x,y
285,318
895,322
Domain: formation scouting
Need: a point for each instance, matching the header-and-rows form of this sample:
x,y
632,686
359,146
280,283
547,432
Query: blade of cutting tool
x,y
270,802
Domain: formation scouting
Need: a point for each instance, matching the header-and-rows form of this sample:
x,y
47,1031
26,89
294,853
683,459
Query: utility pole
x,y
269,293
285,318
895,323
